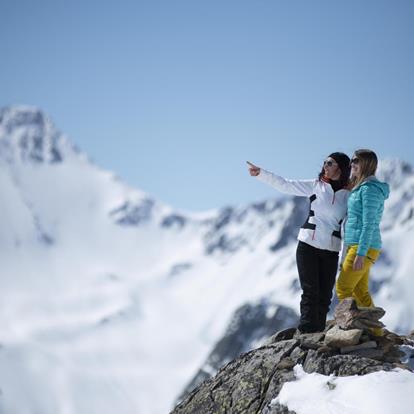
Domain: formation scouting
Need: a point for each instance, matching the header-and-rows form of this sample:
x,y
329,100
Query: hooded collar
x,y
373,180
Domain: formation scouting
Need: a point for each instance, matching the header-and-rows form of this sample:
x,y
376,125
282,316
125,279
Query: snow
x,y
379,392
99,319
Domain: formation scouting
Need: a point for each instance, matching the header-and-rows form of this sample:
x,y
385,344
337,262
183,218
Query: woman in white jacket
x,y
320,236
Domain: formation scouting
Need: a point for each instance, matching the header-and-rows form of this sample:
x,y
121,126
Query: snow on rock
x,y
378,392
28,135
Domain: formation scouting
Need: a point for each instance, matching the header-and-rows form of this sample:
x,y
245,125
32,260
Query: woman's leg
x,y
328,269
352,283
355,283
361,291
348,278
308,268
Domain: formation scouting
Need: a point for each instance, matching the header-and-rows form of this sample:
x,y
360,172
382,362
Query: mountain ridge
x,y
93,269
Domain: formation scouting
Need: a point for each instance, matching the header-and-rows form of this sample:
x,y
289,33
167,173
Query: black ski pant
x,y
317,271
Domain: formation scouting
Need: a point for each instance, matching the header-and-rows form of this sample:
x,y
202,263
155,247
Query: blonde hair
x,y
368,161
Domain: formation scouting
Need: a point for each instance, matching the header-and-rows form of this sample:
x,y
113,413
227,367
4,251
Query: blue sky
x,y
174,96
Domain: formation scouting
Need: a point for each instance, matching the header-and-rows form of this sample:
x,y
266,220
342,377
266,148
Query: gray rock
x,y
396,339
298,355
348,316
395,353
251,325
345,313
277,409
249,383
337,337
325,348
281,336
286,363
369,353
329,324
364,345
340,365
245,385
314,337
366,324
307,344
375,313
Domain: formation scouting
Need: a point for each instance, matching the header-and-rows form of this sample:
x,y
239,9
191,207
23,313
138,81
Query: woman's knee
x,y
343,288
363,296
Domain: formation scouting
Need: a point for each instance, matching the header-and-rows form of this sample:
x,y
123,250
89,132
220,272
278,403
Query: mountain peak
x,y
21,115
393,171
28,135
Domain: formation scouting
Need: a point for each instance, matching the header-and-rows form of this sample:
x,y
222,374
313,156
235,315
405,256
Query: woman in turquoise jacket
x,y
362,232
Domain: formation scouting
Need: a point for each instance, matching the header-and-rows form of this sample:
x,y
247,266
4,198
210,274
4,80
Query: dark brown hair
x,y
344,167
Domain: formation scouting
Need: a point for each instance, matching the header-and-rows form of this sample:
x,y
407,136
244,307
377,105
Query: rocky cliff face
x,y
249,328
249,383
28,135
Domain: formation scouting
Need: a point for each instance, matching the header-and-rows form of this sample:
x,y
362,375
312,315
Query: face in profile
x,y
355,166
331,169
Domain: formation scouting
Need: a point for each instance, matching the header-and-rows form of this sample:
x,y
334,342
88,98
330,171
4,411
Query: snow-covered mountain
x,y
112,301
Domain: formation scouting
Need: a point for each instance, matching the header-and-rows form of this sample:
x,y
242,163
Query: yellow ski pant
x,y
354,283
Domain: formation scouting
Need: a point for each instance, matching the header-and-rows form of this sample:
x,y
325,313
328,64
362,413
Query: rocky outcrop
x,y
348,315
337,337
250,326
133,214
249,383
28,135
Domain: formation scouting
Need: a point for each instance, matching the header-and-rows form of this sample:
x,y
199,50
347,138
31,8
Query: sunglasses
x,y
355,161
329,163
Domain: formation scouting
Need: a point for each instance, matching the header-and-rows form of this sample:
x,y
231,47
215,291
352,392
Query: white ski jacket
x,y
327,211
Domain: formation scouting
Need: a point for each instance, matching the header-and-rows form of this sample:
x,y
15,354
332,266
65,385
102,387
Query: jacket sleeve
x,y
294,187
371,200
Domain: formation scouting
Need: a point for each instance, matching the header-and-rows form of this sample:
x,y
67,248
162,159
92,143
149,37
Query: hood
x,y
373,181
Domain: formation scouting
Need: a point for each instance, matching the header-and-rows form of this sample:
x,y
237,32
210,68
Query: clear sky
x,y
175,95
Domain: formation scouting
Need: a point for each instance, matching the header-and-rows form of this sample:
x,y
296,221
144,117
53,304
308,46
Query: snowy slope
x,y
112,300
394,273
378,392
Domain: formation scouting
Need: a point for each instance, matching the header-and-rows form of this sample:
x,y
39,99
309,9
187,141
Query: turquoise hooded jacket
x,y
365,208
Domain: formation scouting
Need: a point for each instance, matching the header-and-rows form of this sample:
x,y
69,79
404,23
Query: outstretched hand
x,y
254,170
